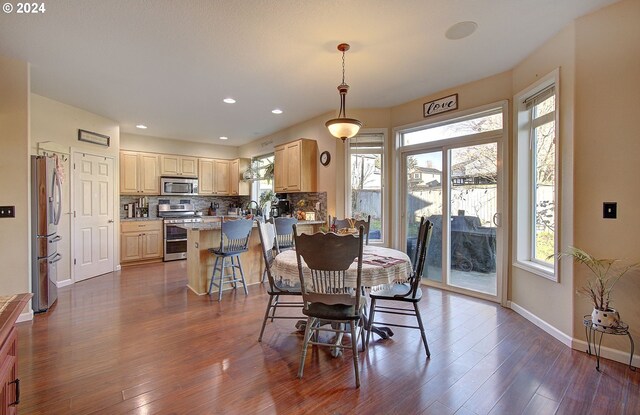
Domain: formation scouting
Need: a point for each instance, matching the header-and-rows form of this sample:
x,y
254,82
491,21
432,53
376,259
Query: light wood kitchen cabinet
x,y
215,177
295,166
141,241
238,186
221,170
173,165
10,309
139,173
205,176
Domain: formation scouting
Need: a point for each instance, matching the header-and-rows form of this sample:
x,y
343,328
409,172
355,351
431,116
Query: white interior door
x,y
93,215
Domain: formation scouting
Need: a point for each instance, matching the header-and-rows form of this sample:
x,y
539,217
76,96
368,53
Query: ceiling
x,y
169,64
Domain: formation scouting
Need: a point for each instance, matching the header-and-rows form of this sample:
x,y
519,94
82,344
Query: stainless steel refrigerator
x,y
46,205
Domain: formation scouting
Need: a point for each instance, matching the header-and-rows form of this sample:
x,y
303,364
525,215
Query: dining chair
x,y
284,236
234,240
277,287
329,297
284,232
407,292
347,222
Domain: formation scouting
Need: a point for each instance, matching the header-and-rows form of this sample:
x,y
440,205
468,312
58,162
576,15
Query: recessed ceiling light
x,y
229,100
277,111
461,30
141,126
224,138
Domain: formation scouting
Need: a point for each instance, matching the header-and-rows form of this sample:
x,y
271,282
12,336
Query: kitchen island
x,y
205,235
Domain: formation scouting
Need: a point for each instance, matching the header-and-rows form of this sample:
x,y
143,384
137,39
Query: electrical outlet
x,y
609,210
7,211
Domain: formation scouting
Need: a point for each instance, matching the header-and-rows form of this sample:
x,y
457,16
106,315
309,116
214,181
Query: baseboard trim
x,y
608,353
25,316
548,328
64,283
576,344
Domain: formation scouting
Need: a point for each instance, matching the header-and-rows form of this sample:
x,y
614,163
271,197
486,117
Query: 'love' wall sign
x,y
441,105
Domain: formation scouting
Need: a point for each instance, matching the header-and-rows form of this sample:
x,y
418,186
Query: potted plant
x,y
605,274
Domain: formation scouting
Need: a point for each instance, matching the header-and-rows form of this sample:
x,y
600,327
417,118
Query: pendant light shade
x,y
343,127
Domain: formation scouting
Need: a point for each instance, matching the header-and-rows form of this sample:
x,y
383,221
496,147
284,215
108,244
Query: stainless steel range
x,y
175,238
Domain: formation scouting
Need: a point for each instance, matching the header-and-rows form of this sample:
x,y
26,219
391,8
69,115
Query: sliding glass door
x,y
455,183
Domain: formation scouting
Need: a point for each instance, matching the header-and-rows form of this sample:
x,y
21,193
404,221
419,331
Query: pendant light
x,y
343,127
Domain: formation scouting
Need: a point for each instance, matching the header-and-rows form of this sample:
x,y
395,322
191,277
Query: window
x,y
262,167
537,172
475,123
365,175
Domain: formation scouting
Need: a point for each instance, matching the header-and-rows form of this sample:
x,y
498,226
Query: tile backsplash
x,y
202,203
309,201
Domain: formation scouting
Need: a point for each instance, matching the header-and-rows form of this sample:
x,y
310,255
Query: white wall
x,y
607,152
14,177
548,300
137,142
55,125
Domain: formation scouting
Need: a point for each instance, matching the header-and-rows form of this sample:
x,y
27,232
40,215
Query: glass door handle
x,y
497,219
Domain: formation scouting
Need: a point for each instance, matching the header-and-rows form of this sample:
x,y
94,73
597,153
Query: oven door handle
x,y
176,240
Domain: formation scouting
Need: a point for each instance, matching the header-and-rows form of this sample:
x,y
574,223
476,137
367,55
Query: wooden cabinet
x,y
213,177
295,166
141,240
222,177
173,165
139,173
238,186
10,309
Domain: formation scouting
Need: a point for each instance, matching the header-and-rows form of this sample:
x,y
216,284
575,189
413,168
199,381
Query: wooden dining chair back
x,y
403,292
234,240
284,232
277,286
330,293
352,223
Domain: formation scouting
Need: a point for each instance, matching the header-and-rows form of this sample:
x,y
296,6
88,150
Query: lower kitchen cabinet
x,y
140,241
10,309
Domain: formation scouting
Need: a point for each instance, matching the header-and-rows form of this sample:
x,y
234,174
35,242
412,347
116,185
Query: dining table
x,y
380,266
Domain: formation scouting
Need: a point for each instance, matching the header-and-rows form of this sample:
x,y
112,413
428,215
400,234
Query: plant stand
x,y
591,331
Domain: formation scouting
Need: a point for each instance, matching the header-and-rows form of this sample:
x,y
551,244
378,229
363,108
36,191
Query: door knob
x,y
110,221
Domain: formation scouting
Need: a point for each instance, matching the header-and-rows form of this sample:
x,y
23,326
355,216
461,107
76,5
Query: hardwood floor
x,y
139,342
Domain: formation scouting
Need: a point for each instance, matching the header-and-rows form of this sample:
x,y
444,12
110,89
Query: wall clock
x,y
325,158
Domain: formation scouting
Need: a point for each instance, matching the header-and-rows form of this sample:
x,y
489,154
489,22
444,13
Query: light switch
x,y
609,210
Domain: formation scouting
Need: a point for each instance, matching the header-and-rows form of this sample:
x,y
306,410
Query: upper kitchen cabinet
x,y
173,165
213,177
238,186
295,166
223,177
139,173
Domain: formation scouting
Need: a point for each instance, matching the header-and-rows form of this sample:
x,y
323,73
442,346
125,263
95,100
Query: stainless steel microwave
x,y
178,186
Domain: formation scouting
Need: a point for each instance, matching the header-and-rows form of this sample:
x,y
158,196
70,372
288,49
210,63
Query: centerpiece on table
x,y
605,274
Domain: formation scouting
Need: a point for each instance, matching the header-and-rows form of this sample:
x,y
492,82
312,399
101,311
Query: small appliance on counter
x,y
281,206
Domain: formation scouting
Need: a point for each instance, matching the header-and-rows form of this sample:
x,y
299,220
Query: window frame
x,y
255,185
524,189
384,239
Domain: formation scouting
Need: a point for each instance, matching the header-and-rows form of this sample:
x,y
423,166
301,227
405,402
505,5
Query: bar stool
x,y
234,240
